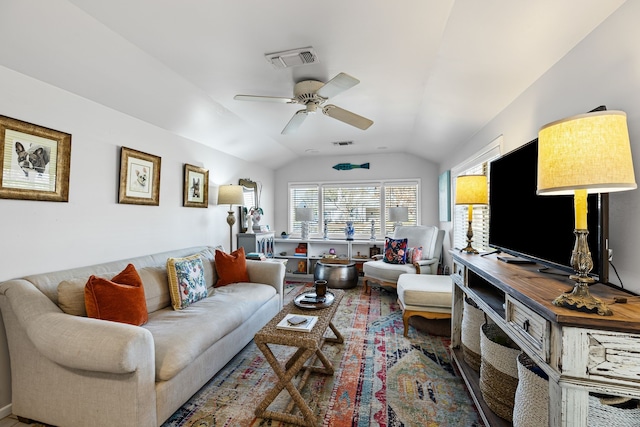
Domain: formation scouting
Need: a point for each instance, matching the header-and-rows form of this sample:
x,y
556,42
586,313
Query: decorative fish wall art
x,y
349,166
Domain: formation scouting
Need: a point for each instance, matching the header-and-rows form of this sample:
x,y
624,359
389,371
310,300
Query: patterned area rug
x,y
381,378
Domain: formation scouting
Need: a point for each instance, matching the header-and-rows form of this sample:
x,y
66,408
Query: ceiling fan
x,y
313,94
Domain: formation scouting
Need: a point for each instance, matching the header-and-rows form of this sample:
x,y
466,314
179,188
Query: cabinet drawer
x,y
614,356
534,329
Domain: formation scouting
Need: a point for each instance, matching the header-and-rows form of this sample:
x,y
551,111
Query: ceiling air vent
x,y
342,143
292,58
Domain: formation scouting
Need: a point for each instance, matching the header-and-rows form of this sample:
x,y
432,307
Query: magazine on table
x,y
297,322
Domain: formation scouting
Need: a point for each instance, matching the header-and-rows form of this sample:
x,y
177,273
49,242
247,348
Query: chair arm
x,y
78,342
419,265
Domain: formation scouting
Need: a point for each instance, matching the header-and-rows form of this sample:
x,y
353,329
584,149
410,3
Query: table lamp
x,y
471,190
398,215
304,215
230,195
588,153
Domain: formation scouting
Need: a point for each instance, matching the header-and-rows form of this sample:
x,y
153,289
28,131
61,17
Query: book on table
x,y
297,322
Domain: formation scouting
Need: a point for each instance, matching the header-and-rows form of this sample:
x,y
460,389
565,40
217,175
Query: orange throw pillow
x,y
231,268
120,299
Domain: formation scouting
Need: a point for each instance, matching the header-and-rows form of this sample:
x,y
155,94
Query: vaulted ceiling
x,y
432,72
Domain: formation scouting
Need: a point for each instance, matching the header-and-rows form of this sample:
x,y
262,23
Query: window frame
x,y
363,231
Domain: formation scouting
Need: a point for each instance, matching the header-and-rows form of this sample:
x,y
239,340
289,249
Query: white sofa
x,y
69,370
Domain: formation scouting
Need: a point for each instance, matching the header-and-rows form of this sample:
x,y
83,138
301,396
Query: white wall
x,y
382,166
38,237
603,69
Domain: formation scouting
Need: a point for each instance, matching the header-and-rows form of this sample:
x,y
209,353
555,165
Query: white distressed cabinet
x,y
581,352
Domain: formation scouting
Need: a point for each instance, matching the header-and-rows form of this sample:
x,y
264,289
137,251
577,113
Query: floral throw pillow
x,y
186,281
414,255
395,251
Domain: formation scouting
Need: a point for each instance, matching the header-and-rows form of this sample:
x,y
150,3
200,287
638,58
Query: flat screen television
x,y
540,228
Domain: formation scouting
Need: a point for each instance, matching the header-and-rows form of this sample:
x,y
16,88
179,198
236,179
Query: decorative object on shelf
x,y
230,195
471,190
196,187
304,215
139,178
349,230
26,152
373,251
249,223
398,215
256,215
587,153
373,230
284,235
444,196
349,166
325,230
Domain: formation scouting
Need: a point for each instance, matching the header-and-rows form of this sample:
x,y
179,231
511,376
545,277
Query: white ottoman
x,y
425,295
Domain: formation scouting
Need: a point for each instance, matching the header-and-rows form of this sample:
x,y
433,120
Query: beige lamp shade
x,y
230,195
304,214
471,190
399,214
585,152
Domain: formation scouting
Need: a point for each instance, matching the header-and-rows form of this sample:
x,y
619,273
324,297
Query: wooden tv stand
x,y
581,352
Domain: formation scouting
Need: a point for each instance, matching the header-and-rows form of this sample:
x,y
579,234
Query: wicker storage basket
x,y
531,406
498,370
472,320
613,412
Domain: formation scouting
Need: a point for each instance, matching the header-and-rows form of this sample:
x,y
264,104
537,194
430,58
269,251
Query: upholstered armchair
x,y
428,237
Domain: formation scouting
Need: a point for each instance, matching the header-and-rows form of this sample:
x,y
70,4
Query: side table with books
x,y
303,329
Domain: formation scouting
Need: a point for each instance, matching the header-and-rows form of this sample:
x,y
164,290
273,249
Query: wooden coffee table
x,y
309,348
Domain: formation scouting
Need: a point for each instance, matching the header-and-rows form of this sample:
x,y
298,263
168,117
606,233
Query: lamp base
x,y
469,249
580,299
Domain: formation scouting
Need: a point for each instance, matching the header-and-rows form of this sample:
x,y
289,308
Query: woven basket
x,y
472,320
531,406
603,414
498,370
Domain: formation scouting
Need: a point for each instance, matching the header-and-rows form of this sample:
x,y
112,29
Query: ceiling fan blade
x,y
347,117
265,99
295,122
337,85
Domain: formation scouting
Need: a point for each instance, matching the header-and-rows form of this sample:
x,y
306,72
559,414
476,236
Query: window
x,y
360,202
478,165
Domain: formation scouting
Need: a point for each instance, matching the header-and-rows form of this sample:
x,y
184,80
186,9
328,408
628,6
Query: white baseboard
x,y
5,412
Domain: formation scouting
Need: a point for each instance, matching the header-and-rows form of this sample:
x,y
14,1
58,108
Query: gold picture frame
x,y
139,178
35,162
196,187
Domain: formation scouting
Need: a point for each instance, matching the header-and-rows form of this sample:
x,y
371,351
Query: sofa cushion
x,y
71,294
181,336
231,268
186,281
414,255
395,251
120,299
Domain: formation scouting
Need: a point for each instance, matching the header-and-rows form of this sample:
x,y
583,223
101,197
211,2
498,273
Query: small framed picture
x,y
196,187
35,162
139,178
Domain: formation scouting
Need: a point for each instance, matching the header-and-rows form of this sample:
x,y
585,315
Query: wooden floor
x,y
11,421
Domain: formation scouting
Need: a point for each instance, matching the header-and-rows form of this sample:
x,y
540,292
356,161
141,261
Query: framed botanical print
x,y
196,187
139,178
35,162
